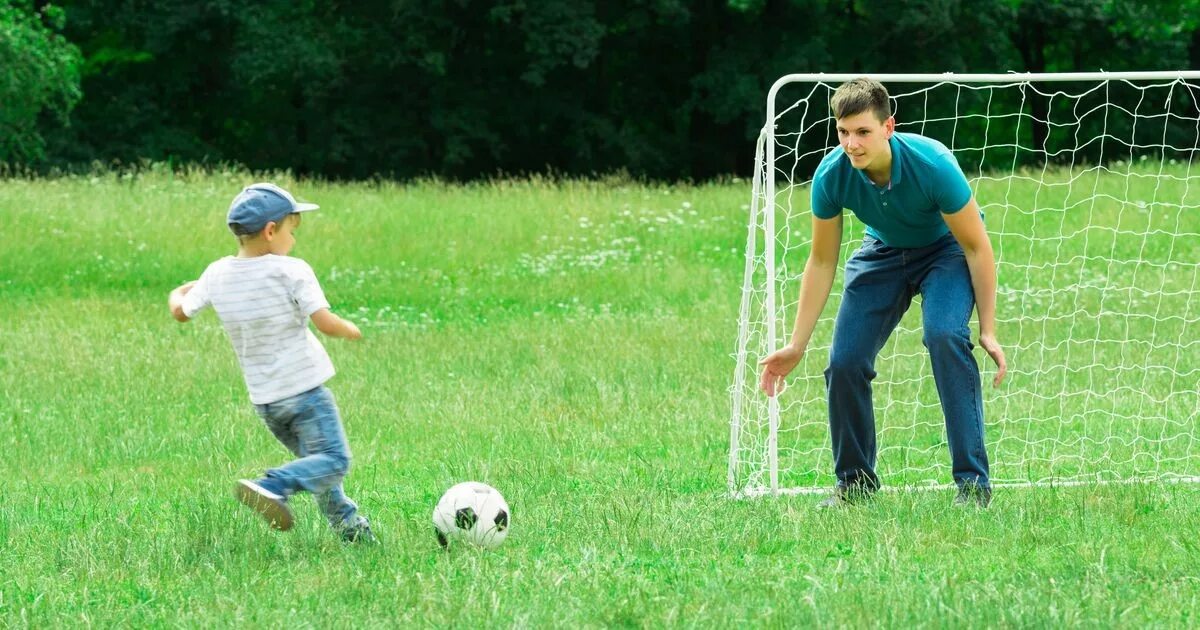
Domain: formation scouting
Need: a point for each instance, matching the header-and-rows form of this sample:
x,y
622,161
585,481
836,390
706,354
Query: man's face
x,y
864,138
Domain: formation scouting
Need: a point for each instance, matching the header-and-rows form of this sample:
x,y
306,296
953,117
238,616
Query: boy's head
x,y
863,112
260,204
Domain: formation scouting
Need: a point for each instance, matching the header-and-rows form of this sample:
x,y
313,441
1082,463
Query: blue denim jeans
x,y
308,424
880,284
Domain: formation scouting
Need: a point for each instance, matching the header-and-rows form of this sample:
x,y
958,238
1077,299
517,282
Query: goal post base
x,y
1047,484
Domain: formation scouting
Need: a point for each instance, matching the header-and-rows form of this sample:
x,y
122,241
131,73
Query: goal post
x,y
1090,188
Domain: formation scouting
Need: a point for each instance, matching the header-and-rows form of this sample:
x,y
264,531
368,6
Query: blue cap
x,y
259,204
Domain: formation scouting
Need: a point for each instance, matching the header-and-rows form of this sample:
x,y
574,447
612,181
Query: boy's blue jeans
x,y
308,424
880,284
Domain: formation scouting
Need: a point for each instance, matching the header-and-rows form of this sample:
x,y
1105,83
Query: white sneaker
x,y
271,506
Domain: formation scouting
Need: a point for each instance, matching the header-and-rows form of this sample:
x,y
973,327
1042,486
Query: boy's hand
x,y
352,331
776,366
175,300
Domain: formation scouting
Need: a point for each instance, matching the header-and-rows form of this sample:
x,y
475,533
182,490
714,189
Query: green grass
x,y
534,335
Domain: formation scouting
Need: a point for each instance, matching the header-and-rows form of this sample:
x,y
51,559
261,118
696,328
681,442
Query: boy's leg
x,y
320,443
875,297
269,496
339,510
281,428
948,300
317,437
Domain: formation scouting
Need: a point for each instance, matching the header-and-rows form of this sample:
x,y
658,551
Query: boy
x,y
264,299
925,234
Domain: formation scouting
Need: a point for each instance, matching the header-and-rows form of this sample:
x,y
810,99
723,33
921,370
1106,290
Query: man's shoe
x,y
973,495
264,500
843,495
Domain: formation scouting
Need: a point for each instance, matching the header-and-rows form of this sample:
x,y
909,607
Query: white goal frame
x,y
761,247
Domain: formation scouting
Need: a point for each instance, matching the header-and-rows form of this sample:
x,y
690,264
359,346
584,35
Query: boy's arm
x,y
335,326
175,300
967,227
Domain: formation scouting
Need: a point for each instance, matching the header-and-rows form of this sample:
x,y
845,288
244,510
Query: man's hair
x,y
861,95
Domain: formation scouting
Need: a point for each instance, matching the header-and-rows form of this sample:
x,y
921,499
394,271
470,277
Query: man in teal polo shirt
x,y
925,235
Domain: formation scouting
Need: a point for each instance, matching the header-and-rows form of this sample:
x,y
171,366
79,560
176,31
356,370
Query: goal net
x,y
1090,186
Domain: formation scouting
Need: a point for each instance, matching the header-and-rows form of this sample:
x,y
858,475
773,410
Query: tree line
x,y
461,89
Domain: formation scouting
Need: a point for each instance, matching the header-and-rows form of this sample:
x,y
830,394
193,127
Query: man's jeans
x,y
309,426
880,284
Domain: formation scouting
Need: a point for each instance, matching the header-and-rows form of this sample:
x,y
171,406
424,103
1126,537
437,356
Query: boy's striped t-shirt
x,y
264,304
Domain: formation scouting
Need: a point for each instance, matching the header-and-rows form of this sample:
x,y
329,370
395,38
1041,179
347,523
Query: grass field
x,y
567,342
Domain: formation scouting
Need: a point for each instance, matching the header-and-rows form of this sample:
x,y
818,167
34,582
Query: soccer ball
x,y
472,512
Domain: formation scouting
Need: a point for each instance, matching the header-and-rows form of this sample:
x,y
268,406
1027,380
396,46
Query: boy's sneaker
x,y
359,534
973,495
262,497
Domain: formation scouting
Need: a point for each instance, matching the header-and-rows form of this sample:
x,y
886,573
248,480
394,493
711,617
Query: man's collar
x,y
894,144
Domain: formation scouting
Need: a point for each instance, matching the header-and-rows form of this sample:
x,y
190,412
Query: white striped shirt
x,y
264,304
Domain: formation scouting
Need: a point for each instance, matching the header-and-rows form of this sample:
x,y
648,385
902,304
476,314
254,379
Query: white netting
x,y
1090,191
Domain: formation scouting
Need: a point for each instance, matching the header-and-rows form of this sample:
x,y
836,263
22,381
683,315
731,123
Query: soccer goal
x,y
1090,185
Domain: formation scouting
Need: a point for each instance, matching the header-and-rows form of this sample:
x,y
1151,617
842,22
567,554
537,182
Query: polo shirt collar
x,y
897,156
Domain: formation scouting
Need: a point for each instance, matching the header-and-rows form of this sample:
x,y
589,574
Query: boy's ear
x,y
269,229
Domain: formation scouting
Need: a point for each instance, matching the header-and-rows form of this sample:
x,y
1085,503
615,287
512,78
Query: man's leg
x,y
875,297
948,300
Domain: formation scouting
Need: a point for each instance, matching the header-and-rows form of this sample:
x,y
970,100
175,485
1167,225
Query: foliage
x,y
471,88
39,77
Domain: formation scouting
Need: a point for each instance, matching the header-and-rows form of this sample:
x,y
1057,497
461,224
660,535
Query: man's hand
x,y
778,365
992,347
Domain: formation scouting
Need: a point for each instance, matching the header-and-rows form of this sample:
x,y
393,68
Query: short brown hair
x,y
860,95
242,235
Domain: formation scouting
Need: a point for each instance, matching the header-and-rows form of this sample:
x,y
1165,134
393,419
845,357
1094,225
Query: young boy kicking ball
x,y
265,299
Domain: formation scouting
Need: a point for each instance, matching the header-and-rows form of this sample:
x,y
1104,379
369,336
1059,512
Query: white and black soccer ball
x,y
472,512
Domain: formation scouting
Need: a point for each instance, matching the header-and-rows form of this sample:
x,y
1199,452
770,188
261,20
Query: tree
x,y
39,77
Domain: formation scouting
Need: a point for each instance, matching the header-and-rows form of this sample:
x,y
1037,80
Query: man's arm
x,y
967,227
815,285
335,326
175,300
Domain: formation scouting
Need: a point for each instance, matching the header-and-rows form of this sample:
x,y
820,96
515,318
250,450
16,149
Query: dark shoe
x,y
973,495
843,495
360,534
263,498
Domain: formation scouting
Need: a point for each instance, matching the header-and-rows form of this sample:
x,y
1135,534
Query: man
x,y
925,235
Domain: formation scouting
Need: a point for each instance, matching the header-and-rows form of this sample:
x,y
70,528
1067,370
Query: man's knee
x,y
942,338
848,366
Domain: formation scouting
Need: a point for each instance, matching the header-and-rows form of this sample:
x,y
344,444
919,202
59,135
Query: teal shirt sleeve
x,y
823,206
951,192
